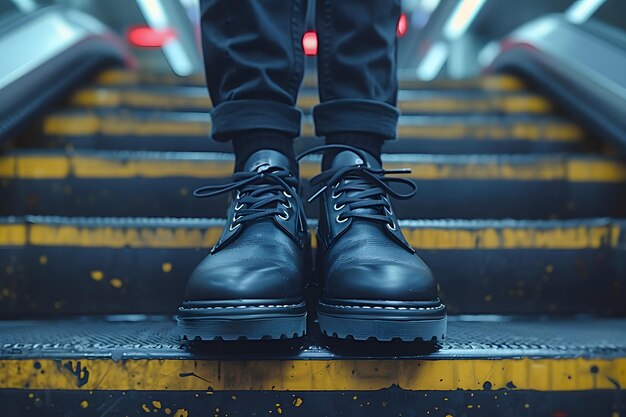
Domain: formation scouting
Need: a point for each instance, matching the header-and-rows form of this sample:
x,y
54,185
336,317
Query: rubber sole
x,y
242,322
408,324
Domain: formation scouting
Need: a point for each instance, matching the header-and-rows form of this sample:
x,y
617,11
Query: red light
x,y
402,25
147,37
309,43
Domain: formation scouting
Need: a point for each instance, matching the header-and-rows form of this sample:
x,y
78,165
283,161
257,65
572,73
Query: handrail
x,y
578,66
46,53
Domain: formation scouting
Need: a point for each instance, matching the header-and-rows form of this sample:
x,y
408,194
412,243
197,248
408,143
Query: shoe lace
x,y
258,194
360,187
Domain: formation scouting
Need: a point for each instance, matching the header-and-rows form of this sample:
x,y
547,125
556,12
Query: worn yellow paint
x,y
124,125
97,275
84,404
114,98
116,283
317,375
427,238
595,171
297,402
156,404
512,238
13,235
504,104
43,259
489,82
45,235
544,169
166,267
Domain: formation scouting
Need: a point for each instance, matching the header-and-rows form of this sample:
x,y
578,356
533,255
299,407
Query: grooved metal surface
x,y
490,337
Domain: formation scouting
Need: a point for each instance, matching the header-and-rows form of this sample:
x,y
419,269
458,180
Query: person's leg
x,y
374,283
254,66
251,283
357,72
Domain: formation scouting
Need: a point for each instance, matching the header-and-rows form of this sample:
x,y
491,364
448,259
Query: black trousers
x,y
254,65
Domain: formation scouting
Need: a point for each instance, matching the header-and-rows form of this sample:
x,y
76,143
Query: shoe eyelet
x,y
234,226
286,215
238,195
336,185
337,208
391,226
288,205
341,221
238,207
335,196
236,218
286,194
389,212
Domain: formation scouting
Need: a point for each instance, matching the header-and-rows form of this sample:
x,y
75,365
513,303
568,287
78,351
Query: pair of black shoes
x,y
251,286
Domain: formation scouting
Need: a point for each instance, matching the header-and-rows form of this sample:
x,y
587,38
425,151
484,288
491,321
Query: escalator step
x,y
101,183
64,266
489,82
409,102
169,131
562,367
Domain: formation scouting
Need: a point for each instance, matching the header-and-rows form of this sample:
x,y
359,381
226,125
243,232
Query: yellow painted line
x,y
489,82
83,166
583,237
13,235
311,375
89,124
95,97
116,98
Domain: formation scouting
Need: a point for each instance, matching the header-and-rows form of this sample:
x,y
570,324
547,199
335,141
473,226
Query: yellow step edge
x,y
82,166
90,124
116,98
312,375
489,82
424,238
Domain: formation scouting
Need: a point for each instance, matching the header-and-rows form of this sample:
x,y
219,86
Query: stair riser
x,y
72,269
167,196
387,402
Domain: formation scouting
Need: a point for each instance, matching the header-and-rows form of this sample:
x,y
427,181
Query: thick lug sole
x,y
242,322
383,323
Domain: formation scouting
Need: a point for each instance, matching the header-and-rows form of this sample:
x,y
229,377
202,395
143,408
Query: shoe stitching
x,y
244,307
439,307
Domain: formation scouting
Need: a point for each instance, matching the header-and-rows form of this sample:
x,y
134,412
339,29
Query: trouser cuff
x,y
356,115
235,117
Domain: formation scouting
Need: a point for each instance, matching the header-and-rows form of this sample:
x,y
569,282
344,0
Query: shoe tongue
x,y
347,158
267,158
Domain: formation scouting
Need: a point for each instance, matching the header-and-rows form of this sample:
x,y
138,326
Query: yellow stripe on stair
x,y
423,238
312,375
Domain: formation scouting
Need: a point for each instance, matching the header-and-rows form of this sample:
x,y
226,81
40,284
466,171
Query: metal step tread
x,y
137,365
469,338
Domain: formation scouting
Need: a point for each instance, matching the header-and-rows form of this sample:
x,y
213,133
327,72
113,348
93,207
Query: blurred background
x,y
437,38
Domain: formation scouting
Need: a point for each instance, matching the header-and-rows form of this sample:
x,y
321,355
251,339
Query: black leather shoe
x,y
375,286
251,284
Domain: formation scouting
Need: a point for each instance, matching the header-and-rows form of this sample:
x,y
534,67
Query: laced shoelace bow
x,y
360,187
258,194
